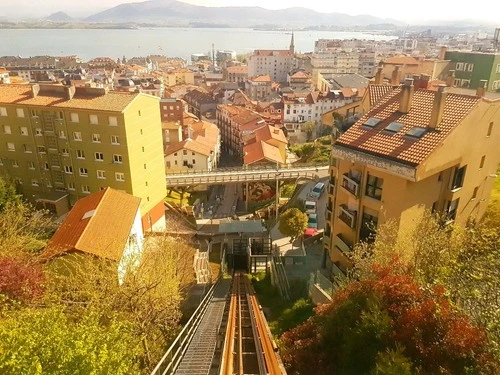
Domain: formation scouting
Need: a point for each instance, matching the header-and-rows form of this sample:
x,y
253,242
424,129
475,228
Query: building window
x,y
7,129
481,164
470,67
115,140
3,111
34,182
68,169
458,178
84,172
117,159
96,138
15,164
465,83
101,175
113,121
490,129
31,165
451,210
85,189
168,165
62,134
99,156
74,117
120,176
20,113
27,149
71,186
374,187
80,154
474,193
194,162
93,119
45,166
145,167
38,132
77,136
11,146
65,152
184,152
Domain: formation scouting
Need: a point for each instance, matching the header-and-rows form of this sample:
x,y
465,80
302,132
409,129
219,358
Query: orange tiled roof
x,y
398,146
401,60
261,151
21,94
300,74
270,132
261,78
94,234
190,145
271,52
377,92
238,69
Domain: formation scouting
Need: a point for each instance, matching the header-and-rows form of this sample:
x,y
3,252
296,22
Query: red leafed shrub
x,y
20,281
369,318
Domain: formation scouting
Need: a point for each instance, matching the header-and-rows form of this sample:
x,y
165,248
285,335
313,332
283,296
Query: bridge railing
x,y
173,356
249,168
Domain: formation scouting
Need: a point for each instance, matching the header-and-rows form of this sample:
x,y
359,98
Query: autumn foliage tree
x,y
388,324
20,281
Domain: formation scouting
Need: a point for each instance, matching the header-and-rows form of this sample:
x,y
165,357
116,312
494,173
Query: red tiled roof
x,y
94,234
401,60
262,78
270,132
238,69
399,146
377,92
190,145
261,151
272,52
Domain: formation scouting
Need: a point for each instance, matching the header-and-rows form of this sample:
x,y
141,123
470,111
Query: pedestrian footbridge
x,y
247,174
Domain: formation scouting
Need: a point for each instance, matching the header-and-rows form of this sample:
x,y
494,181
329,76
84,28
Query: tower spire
x,y
292,45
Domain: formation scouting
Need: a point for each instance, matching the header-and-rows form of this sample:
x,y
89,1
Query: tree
x,y
309,127
464,260
20,281
293,223
8,195
383,325
46,341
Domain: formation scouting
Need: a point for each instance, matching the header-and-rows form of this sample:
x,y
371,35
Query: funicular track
x,y
248,348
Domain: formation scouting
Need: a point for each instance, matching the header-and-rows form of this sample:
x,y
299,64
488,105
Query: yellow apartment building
x,y
414,150
61,143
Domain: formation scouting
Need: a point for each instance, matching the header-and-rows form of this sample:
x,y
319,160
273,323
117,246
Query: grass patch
x,y
174,196
281,315
314,152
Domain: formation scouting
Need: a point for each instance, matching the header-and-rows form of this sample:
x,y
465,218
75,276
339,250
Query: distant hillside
x,y
172,12
59,17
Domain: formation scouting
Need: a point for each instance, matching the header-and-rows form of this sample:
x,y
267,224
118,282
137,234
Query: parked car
x,y
313,221
309,232
310,207
317,190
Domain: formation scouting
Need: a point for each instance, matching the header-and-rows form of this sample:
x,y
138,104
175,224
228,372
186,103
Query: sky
x,y
418,12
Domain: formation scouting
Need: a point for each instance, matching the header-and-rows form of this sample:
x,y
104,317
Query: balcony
x,y
350,184
342,244
347,216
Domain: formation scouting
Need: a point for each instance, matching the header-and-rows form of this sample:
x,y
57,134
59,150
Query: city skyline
x,y
425,12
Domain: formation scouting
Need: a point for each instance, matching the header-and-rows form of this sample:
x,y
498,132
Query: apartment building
x,y
333,62
276,63
407,66
302,108
61,143
414,150
258,88
237,74
234,123
472,67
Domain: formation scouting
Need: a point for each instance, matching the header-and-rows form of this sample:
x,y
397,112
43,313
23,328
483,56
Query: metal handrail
x,y
177,349
250,168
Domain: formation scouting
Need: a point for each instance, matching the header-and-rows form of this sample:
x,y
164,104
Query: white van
x,y
310,207
317,190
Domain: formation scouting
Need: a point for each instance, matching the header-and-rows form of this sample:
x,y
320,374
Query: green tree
x,y
46,341
309,127
8,195
293,223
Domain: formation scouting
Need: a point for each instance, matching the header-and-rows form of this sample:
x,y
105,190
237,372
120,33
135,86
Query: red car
x,y
309,232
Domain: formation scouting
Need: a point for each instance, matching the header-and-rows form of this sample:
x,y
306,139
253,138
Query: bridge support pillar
x,y
246,196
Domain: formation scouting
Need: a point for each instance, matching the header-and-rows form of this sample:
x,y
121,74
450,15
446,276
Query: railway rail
x,y
248,347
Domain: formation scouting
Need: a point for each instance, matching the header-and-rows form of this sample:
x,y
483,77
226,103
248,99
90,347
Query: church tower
x,y
292,45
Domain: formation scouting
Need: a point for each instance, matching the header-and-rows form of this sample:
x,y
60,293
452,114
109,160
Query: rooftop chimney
x,y
450,79
424,81
379,77
442,52
481,88
438,106
416,81
396,76
406,95
35,89
69,91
